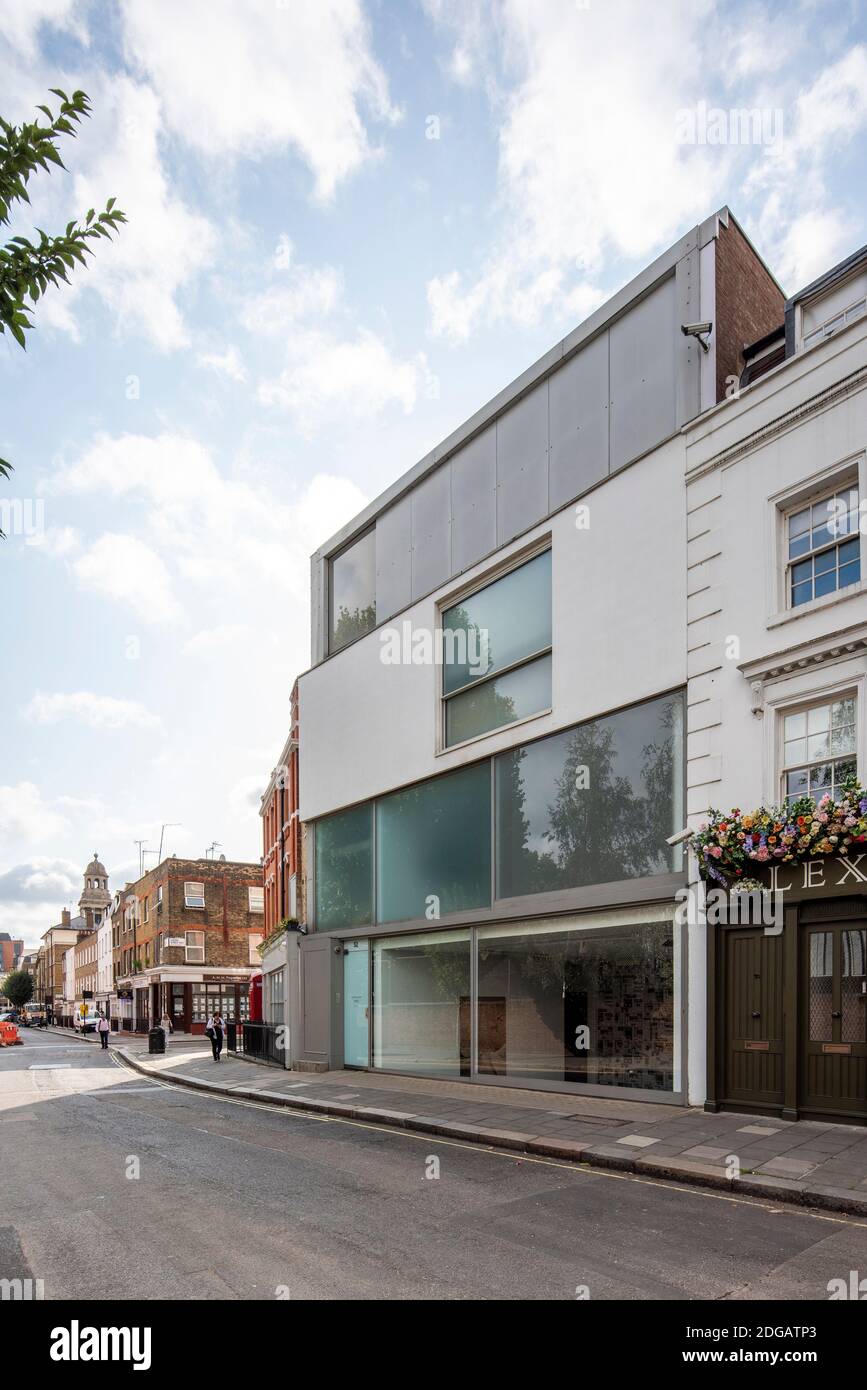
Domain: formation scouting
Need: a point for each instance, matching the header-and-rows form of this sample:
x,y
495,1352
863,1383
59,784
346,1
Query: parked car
x,y
9,1016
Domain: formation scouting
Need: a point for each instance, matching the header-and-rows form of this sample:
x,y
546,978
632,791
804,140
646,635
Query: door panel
x,y
752,1013
356,1000
834,1020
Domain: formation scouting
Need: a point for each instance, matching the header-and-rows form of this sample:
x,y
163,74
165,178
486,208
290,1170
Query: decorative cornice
x,y
851,641
823,400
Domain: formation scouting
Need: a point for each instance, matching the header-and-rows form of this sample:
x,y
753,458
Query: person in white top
x,y
103,1028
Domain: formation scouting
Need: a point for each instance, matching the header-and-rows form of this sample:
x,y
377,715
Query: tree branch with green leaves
x,y
28,267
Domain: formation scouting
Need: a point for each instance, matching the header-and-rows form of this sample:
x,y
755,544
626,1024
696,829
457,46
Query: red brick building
x,y
184,940
281,834
10,953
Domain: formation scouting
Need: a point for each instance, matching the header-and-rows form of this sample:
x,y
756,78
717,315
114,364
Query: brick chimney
x,y
65,918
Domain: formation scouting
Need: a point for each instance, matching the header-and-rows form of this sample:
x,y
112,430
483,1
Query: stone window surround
x,y
845,472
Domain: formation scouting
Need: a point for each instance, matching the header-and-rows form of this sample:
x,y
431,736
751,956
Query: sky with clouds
x,y
351,222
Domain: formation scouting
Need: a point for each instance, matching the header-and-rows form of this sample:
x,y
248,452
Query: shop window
x,y
352,592
824,547
344,868
195,948
433,846
497,653
421,1003
592,805
588,1007
194,895
819,749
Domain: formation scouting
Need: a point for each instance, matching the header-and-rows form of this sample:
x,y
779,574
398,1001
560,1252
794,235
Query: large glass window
x,y
421,1003
353,592
503,628
594,1006
593,805
344,868
433,846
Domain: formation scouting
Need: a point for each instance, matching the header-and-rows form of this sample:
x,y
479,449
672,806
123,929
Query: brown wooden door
x,y
833,1023
752,1018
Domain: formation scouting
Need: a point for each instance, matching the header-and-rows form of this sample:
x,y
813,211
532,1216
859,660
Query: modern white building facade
x,y
603,606
494,725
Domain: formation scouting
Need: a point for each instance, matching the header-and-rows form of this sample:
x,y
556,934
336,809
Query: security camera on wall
x,y
701,331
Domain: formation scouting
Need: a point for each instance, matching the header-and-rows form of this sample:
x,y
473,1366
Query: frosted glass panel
x,y
516,695
344,869
434,841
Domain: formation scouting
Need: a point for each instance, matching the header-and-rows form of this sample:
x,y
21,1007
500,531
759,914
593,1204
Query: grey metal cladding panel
x,y
393,560
474,500
578,417
522,464
643,378
431,503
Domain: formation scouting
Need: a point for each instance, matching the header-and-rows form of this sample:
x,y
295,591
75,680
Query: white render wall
x,y
790,430
619,612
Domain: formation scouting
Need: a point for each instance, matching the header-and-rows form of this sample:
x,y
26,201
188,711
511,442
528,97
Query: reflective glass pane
x,y
843,739
801,593
848,552
593,1007
795,725
797,783
344,868
421,1003
799,545
819,719
818,746
433,841
821,780
826,583
507,620
799,524
795,751
850,574
826,561
353,592
592,805
802,572
499,701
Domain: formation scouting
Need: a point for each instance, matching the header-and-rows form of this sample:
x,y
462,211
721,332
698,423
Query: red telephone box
x,y
256,999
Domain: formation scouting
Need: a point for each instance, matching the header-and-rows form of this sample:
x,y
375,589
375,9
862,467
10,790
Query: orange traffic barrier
x,y
9,1035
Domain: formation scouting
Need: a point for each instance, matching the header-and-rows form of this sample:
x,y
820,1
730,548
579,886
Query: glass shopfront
x,y
591,1002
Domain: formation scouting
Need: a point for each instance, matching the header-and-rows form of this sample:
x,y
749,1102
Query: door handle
x,y
836,1014
756,1014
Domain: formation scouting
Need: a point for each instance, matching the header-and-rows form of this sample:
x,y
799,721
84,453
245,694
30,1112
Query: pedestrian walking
x,y
103,1028
166,1024
217,1036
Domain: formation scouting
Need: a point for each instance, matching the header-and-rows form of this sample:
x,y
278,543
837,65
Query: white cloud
x,y
126,568
40,880
20,23
25,816
356,378
309,292
95,711
256,78
226,364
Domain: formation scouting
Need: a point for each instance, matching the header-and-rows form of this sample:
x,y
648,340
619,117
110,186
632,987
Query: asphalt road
x,y
116,1186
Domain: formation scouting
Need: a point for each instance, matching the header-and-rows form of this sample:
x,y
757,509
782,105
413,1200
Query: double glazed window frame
x,y
848,472
540,546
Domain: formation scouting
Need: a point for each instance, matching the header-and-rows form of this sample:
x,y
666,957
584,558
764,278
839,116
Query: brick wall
x,y
748,303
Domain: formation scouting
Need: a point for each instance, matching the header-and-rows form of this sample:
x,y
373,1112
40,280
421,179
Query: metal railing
x,y
142,1024
261,1042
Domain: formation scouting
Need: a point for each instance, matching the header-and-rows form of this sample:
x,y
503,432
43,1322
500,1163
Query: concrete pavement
x,y
128,1186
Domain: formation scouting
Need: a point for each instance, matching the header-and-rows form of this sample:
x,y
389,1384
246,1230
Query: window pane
x,y
850,574
515,614
817,746
344,869
795,726
592,1007
843,711
843,739
421,1003
825,583
519,693
820,779
797,784
353,592
821,984
848,552
795,751
819,719
592,805
799,524
435,840
801,593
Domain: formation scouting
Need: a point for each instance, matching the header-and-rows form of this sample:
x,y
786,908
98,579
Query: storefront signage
x,y
833,873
